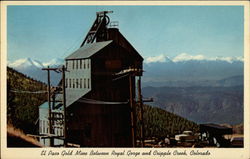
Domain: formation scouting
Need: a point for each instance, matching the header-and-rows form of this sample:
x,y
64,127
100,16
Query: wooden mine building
x,y
100,88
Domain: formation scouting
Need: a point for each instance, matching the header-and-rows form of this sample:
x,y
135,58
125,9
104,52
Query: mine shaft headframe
x,y
98,30
103,13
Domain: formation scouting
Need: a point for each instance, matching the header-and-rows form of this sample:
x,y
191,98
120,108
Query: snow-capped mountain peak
x,y
25,62
54,62
154,59
33,68
187,57
184,57
228,59
28,62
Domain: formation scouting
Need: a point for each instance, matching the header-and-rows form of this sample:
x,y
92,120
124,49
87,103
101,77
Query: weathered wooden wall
x,y
105,125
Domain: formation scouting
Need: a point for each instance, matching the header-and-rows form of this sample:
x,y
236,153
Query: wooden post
x,y
64,107
132,112
49,103
141,111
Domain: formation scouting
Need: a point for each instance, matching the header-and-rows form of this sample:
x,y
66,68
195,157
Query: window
x,y
77,83
76,64
84,82
40,126
43,126
66,83
47,127
88,83
88,63
80,64
84,64
80,83
73,64
73,83
69,83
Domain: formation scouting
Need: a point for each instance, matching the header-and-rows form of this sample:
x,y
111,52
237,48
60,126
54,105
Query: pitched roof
x,y
88,50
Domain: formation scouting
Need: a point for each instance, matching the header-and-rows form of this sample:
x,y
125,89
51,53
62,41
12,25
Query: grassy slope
x,y
22,108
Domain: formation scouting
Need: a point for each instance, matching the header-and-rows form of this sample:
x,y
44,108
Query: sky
x,y
47,32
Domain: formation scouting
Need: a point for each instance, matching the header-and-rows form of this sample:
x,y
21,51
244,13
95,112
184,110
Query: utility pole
x,y
64,106
49,103
51,132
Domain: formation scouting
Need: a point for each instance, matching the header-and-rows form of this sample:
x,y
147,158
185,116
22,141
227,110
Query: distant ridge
x,y
218,105
190,71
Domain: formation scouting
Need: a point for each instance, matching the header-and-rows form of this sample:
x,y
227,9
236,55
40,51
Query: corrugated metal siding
x,y
78,79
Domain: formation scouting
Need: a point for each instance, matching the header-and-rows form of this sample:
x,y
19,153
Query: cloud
x,y
160,58
187,57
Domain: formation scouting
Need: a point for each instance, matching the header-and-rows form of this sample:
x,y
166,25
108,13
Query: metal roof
x,y
45,105
215,129
88,50
216,126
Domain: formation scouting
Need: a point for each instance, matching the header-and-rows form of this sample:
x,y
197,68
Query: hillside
x,y
160,123
200,104
23,109
22,105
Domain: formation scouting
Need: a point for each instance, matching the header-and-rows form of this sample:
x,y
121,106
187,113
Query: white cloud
x,y
187,57
160,58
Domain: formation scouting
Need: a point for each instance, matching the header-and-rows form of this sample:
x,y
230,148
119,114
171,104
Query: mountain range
x,y
33,68
185,70
182,70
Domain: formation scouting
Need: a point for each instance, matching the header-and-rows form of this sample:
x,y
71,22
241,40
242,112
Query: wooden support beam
x,y
141,112
132,112
148,100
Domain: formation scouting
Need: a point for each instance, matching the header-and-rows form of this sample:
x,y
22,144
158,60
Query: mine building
x,y
97,91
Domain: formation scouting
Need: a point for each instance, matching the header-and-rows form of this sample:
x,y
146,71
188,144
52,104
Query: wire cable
x,y
33,92
92,101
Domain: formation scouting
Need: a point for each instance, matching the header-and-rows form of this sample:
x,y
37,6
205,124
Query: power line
x,y
32,92
92,101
